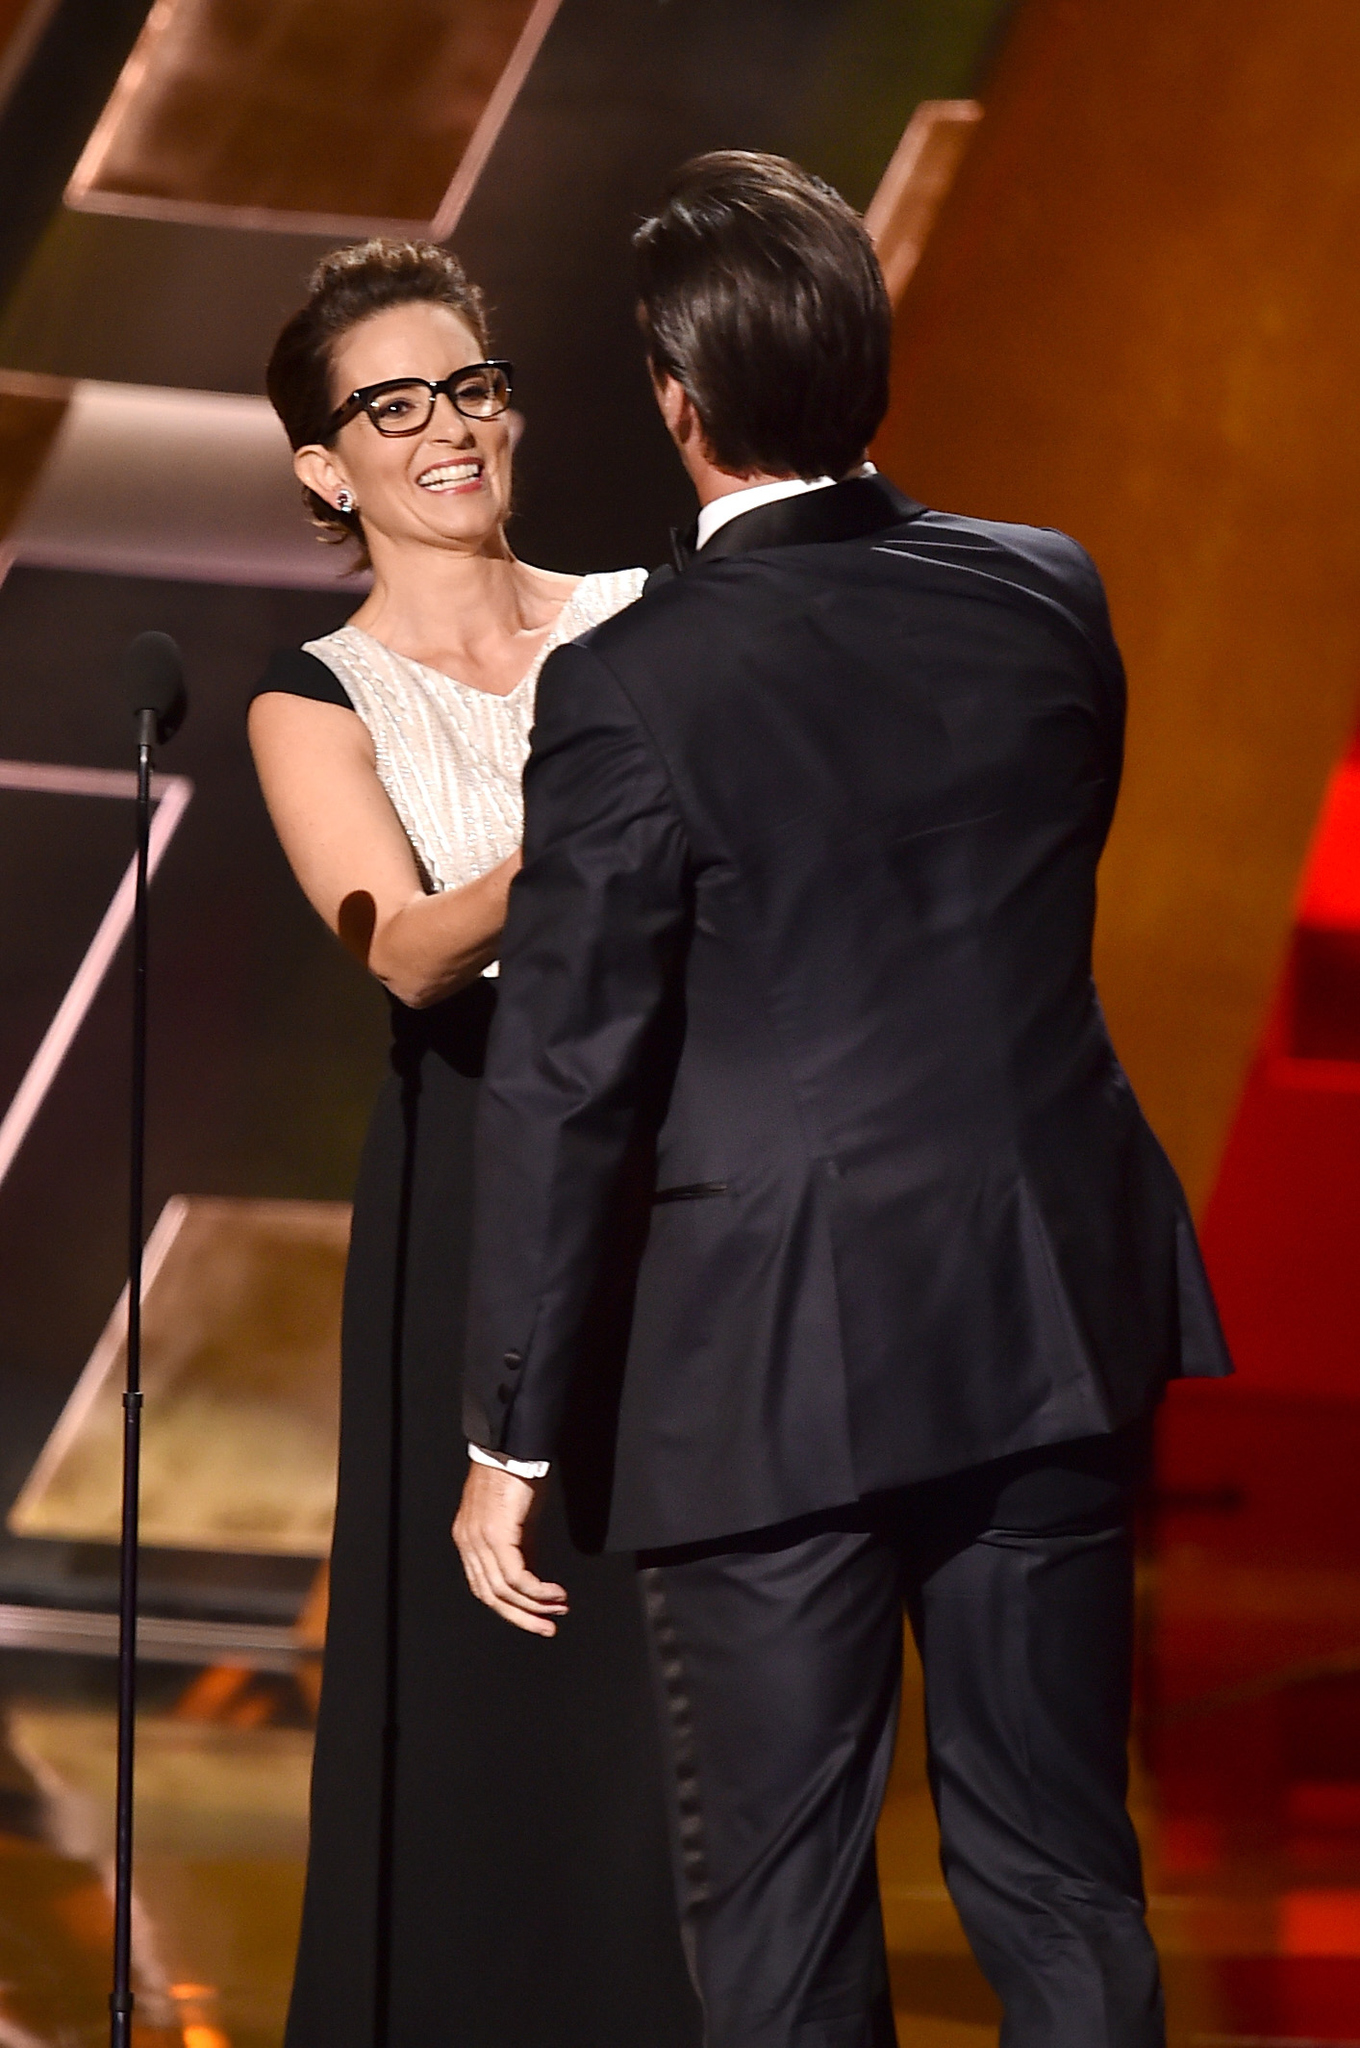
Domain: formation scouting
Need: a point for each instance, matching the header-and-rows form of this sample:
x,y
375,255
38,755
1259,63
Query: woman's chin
x,y
468,521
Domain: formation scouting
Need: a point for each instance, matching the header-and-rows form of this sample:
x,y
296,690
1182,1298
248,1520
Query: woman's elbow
x,y
417,988
377,944
411,982
412,991
420,966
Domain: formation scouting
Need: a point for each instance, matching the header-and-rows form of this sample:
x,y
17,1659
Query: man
x,y
806,906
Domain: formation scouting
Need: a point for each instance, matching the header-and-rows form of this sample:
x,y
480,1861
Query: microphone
x,y
153,680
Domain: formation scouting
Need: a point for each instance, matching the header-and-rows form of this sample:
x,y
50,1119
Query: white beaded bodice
x,y
450,756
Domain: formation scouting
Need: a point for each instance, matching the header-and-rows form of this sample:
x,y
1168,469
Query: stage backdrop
x,y
1139,319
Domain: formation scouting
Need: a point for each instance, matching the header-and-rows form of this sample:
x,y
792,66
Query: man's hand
x,y
491,1530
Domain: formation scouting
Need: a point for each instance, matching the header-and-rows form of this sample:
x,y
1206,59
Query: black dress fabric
x,y
488,1863
299,674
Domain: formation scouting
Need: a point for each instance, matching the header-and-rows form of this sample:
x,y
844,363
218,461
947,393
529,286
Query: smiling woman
x,y
468,1783
428,511
350,289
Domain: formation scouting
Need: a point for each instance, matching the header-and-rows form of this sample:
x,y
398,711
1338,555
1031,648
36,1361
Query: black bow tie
x,y
682,554
684,544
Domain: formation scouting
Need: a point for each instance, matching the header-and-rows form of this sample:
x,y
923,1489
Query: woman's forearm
x,y
432,945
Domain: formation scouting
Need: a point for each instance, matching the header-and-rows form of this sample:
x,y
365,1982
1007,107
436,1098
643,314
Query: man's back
x,y
908,1216
896,759
801,952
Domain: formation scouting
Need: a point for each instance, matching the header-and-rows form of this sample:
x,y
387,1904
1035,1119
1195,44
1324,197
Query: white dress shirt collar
x,y
720,510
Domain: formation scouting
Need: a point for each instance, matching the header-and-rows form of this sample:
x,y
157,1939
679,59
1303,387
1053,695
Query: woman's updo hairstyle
x,y
348,286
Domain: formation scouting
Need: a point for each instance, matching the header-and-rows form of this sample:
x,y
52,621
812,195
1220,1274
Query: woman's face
x,y
449,485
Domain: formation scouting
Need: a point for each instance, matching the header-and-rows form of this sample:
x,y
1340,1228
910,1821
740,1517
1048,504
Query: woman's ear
x,y
317,468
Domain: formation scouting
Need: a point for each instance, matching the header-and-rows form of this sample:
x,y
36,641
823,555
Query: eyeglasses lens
x,y
482,395
401,409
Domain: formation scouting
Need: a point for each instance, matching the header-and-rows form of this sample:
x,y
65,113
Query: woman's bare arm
x,y
353,860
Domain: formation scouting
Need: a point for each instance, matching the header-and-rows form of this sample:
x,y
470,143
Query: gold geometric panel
x,y
325,116
241,1372
121,489
915,185
221,1847
1138,319
31,411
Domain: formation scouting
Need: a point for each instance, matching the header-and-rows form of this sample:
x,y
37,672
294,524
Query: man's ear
x,y
677,409
317,468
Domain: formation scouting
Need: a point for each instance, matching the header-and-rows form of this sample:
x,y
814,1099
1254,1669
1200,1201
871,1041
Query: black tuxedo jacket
x,y
806,908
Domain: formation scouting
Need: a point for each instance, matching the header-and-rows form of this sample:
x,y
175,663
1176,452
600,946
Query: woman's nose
x,y
446,415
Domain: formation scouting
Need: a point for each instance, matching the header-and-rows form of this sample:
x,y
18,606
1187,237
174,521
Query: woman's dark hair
x,y
762,297
348,286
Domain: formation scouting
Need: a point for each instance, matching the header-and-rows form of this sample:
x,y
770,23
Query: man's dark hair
x,y
762,297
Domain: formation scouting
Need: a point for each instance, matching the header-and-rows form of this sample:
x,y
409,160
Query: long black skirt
x,y
488,1862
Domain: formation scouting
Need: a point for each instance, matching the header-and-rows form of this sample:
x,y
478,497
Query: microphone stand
x,y
121,1999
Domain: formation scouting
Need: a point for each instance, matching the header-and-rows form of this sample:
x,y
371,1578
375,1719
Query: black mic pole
x,y
152,673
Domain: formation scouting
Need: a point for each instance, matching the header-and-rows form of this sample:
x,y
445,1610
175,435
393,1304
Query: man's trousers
x,y
777,1659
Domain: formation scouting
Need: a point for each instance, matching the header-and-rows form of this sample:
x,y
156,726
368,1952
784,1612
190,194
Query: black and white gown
x,y
488,1864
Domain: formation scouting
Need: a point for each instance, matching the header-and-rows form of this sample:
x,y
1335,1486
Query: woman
x,y
488,1861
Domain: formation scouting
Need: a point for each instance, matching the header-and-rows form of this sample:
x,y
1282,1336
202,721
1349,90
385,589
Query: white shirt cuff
x,y
523,1468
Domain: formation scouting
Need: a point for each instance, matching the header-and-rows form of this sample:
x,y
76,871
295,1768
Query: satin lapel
x,y
845,511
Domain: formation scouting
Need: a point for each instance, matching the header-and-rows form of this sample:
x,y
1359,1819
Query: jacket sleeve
x,y
592,955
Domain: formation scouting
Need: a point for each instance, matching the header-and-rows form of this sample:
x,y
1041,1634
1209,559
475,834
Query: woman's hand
x,y
351,856
491,1530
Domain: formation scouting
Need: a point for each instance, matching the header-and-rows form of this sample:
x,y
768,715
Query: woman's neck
x,y
479,617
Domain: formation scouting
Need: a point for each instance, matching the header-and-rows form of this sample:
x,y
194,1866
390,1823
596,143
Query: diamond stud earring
x,y
345,501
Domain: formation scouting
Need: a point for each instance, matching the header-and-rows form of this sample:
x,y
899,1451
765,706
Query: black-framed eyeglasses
x,y
405,405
